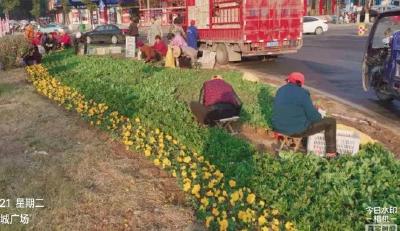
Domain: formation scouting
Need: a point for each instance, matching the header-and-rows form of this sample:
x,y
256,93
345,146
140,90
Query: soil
x,y
87,180
365,121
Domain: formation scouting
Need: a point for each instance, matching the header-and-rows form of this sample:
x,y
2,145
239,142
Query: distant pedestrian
x,y
154,30
192,35
133,29
176,27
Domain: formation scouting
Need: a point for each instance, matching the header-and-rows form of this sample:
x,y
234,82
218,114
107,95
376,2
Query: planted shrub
x,y
12,48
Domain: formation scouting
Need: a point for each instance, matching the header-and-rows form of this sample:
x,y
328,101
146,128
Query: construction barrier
x,y
362,29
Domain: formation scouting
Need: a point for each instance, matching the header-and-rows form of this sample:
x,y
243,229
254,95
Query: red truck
x,y
238,28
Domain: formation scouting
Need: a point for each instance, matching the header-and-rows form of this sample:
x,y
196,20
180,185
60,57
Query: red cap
x,y
295,77
192,22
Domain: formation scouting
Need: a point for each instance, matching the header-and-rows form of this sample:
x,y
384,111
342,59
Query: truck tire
x,y
221,54
383,96
88,40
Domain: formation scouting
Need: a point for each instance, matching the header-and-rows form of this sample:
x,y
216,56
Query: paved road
x,y
331,63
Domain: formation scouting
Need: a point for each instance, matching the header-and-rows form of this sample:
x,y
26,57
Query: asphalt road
x,y
331,63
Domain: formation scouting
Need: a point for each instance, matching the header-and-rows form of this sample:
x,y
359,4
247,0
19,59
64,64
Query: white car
x,y
52,27
314,25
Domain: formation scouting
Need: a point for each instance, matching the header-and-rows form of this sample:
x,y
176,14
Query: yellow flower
x,y
137,120
186,186
174,173
166,162
275,212
168,137
187,159
206,175
289,226
262,203
251,198
209,193
196,189
232,183
264,228
221,199
275,222
223,225
261,220
204,201
156,162
208,221
147,152
235,197
215,212
157,131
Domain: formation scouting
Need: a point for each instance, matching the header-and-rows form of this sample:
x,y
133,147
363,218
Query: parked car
x,y
52,27
106,34
314,25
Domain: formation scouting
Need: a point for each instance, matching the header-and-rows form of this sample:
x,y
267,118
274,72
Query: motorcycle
x,y
381,63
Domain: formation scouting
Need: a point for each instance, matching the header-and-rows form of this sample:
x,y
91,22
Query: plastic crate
x,y
347,142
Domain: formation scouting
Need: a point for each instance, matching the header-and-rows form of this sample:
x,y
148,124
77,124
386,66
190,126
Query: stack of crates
x,y
347,142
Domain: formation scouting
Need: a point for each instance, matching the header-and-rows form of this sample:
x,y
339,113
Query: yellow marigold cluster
x,y
220,199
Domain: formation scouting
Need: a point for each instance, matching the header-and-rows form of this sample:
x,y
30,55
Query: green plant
x,y
12,48
315,193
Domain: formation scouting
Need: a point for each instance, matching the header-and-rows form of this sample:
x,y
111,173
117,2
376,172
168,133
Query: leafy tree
x,y
9,5
36,8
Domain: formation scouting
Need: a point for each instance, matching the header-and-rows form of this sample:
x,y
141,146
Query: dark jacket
x,y
293,110
133,29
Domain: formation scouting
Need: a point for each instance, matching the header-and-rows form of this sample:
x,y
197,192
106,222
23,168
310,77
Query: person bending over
x,y
217,101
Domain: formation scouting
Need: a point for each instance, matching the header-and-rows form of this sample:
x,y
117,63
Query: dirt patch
x,y
365,121
87,181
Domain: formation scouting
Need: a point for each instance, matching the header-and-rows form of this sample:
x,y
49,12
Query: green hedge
x,y
315,193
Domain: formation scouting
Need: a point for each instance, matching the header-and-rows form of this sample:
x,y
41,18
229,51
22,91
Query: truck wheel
x,y
88,40
221,54
383,96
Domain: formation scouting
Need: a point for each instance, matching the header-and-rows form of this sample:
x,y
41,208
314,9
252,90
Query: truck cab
x,y
381,63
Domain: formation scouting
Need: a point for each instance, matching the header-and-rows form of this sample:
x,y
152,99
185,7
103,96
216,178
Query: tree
x,y
91,7
66,9
8,6
36,8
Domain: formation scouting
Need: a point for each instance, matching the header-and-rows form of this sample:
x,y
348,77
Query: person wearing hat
x,y
217,101
294,114
192,35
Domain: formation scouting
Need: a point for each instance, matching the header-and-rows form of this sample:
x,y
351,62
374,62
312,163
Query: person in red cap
x,y
192,35
217,101
294,114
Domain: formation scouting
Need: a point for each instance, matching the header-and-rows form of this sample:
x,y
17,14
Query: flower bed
x,y
314,193
219,202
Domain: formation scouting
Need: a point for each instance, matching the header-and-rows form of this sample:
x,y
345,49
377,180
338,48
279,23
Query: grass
x,y
6,88
309,190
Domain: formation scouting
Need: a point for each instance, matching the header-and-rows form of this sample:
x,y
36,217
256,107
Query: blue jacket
x,y
293,110
192,36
